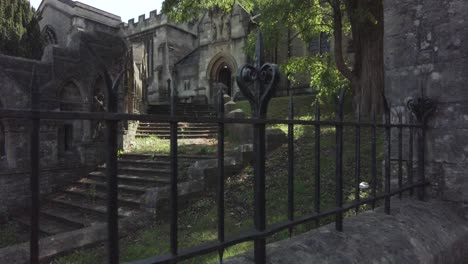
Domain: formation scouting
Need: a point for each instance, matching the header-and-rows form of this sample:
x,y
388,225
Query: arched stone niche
x,y
49,35
71,132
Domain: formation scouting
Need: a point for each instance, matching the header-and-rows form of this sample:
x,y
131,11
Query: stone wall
x,y
426,51
67,80
414,233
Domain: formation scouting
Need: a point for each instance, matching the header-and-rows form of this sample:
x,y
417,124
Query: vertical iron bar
x,y
291,163
112,182
388,154
317,160
374,159
339,165
112,191
357,155
221,174
259,187
174,172
263,78
410,155
400,153
34,177
421,150
259,158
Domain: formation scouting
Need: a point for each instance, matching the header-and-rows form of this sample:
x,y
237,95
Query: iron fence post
x,y
174,173
357,154
317,160
291,163
263,78
34,177
220,191
112,180
388,154
339,160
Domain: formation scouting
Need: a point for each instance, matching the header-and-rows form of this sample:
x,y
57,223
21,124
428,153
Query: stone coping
x,y
415,232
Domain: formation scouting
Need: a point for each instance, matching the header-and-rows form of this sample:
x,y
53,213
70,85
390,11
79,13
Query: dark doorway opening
x,y
224,77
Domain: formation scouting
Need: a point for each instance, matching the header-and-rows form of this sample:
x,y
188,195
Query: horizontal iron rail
x,y
102,116
252,234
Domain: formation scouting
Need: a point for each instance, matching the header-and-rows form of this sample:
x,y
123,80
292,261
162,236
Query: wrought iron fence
x,y
257,83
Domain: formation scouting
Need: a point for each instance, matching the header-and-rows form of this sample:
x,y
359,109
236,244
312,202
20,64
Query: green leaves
x,y
323,74
19,29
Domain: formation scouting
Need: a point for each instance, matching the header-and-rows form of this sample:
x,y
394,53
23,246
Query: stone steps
x,y
179,136
122,178
83,203
48,225
86,205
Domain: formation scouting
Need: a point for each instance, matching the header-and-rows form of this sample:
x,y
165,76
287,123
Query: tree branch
x,y
338,35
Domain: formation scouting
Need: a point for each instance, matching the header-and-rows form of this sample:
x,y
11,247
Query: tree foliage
x,y
322,72
19,29
362,19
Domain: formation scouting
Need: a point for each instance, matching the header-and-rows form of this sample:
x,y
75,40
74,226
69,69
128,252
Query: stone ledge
x,y
416,232
53,246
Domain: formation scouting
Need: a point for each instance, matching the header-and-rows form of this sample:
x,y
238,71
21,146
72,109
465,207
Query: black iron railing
x,y
257,82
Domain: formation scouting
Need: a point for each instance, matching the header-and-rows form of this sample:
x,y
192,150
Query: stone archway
x,y
221,69
70,132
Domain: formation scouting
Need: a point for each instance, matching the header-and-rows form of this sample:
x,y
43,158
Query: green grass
x,y
11,234
278,107
197,220
155,145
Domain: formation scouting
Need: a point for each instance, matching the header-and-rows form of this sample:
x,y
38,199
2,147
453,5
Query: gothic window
x,y
186,85
49,35
65,138
70,98
320,44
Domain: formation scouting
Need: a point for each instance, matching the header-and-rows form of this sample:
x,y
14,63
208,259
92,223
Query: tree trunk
x,y
368,68
367,74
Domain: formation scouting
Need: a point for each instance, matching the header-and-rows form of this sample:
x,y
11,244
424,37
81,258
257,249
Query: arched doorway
x,y
221,70
224,76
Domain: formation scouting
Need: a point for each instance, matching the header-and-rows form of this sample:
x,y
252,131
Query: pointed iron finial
x,y
259,60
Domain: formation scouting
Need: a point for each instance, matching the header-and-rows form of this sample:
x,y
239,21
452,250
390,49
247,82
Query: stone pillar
x,y
426,51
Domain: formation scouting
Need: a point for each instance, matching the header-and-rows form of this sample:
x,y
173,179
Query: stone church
x,y
195,56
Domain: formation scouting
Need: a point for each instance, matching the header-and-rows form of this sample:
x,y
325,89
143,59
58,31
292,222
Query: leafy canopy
x,y
281,21
19,29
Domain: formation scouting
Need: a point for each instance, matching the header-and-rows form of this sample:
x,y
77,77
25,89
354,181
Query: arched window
x,y
70,100
49,35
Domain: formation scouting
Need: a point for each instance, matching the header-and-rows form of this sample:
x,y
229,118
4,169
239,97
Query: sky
x,y
126,9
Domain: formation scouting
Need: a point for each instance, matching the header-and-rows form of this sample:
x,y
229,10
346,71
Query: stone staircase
x,y
83,203
185,130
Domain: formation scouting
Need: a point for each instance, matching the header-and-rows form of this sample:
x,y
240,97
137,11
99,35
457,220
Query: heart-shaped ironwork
x,y
422,108
258,83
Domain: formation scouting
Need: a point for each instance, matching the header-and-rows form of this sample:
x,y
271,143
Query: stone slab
x,y
415,232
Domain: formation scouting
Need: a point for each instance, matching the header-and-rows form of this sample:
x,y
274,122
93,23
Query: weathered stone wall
x,y
66,79
65,16
426,51
414,233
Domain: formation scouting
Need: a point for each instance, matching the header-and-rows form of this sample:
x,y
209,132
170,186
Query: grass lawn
x,y
155,145
197,220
